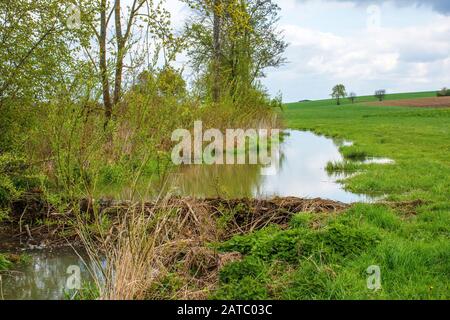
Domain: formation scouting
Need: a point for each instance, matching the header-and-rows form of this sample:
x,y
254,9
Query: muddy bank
x,y
177,236
35,223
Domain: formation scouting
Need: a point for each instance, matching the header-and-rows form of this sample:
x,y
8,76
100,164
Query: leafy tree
x,y
380,94
234,42
38,57
136,28
338,92
35,49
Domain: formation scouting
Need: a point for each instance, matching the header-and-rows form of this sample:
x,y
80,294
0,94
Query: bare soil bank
x,y
435,102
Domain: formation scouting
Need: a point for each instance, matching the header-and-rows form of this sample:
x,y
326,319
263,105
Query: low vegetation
x,y
5,264
9,261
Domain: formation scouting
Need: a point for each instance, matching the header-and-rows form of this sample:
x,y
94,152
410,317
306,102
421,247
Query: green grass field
x,y
326,257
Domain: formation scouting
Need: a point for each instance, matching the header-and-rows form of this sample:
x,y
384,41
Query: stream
x,y
300,172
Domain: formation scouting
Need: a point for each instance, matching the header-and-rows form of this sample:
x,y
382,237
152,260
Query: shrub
x,y
14,179
444,92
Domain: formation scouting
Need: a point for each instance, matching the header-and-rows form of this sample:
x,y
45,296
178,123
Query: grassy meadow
x,y
406,234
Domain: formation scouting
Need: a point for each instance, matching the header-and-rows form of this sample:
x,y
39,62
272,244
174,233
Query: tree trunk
x,y
216,49
103,64
120,54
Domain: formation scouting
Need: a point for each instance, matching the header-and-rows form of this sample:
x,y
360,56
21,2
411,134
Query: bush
x,y
15,178
444,92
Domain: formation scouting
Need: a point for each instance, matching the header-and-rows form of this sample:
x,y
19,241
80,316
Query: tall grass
x,y
152,251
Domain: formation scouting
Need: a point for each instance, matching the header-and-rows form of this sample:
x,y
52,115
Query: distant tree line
x,y
339,92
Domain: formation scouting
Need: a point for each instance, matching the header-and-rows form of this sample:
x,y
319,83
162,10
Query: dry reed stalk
x,y
145,245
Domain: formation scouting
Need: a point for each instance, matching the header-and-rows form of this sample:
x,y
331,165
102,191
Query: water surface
x,y
300,172
43,277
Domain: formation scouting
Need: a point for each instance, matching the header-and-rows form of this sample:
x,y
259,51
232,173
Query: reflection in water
x,y
373,160
44,277
300,172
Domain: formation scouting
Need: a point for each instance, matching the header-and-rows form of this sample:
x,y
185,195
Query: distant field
x,y
434,102
395,96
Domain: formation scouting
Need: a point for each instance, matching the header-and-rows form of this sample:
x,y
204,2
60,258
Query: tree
x,y
216,50
380,94
142,19
37,60
443,92
352,97
233,43
339,92
34,38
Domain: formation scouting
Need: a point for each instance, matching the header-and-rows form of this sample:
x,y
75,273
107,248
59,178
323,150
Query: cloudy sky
x,y
397,45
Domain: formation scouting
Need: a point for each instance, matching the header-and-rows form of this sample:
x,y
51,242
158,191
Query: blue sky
x,y
400,46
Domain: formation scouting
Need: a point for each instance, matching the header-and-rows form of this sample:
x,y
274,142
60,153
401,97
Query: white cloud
x,y
411,57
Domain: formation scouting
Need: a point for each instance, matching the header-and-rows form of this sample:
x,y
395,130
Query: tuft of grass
x,y
342,167
88,291
7,261
353,153
5,264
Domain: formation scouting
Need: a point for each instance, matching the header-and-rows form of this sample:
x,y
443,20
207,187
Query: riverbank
x,y
36,224
413,249
179,240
